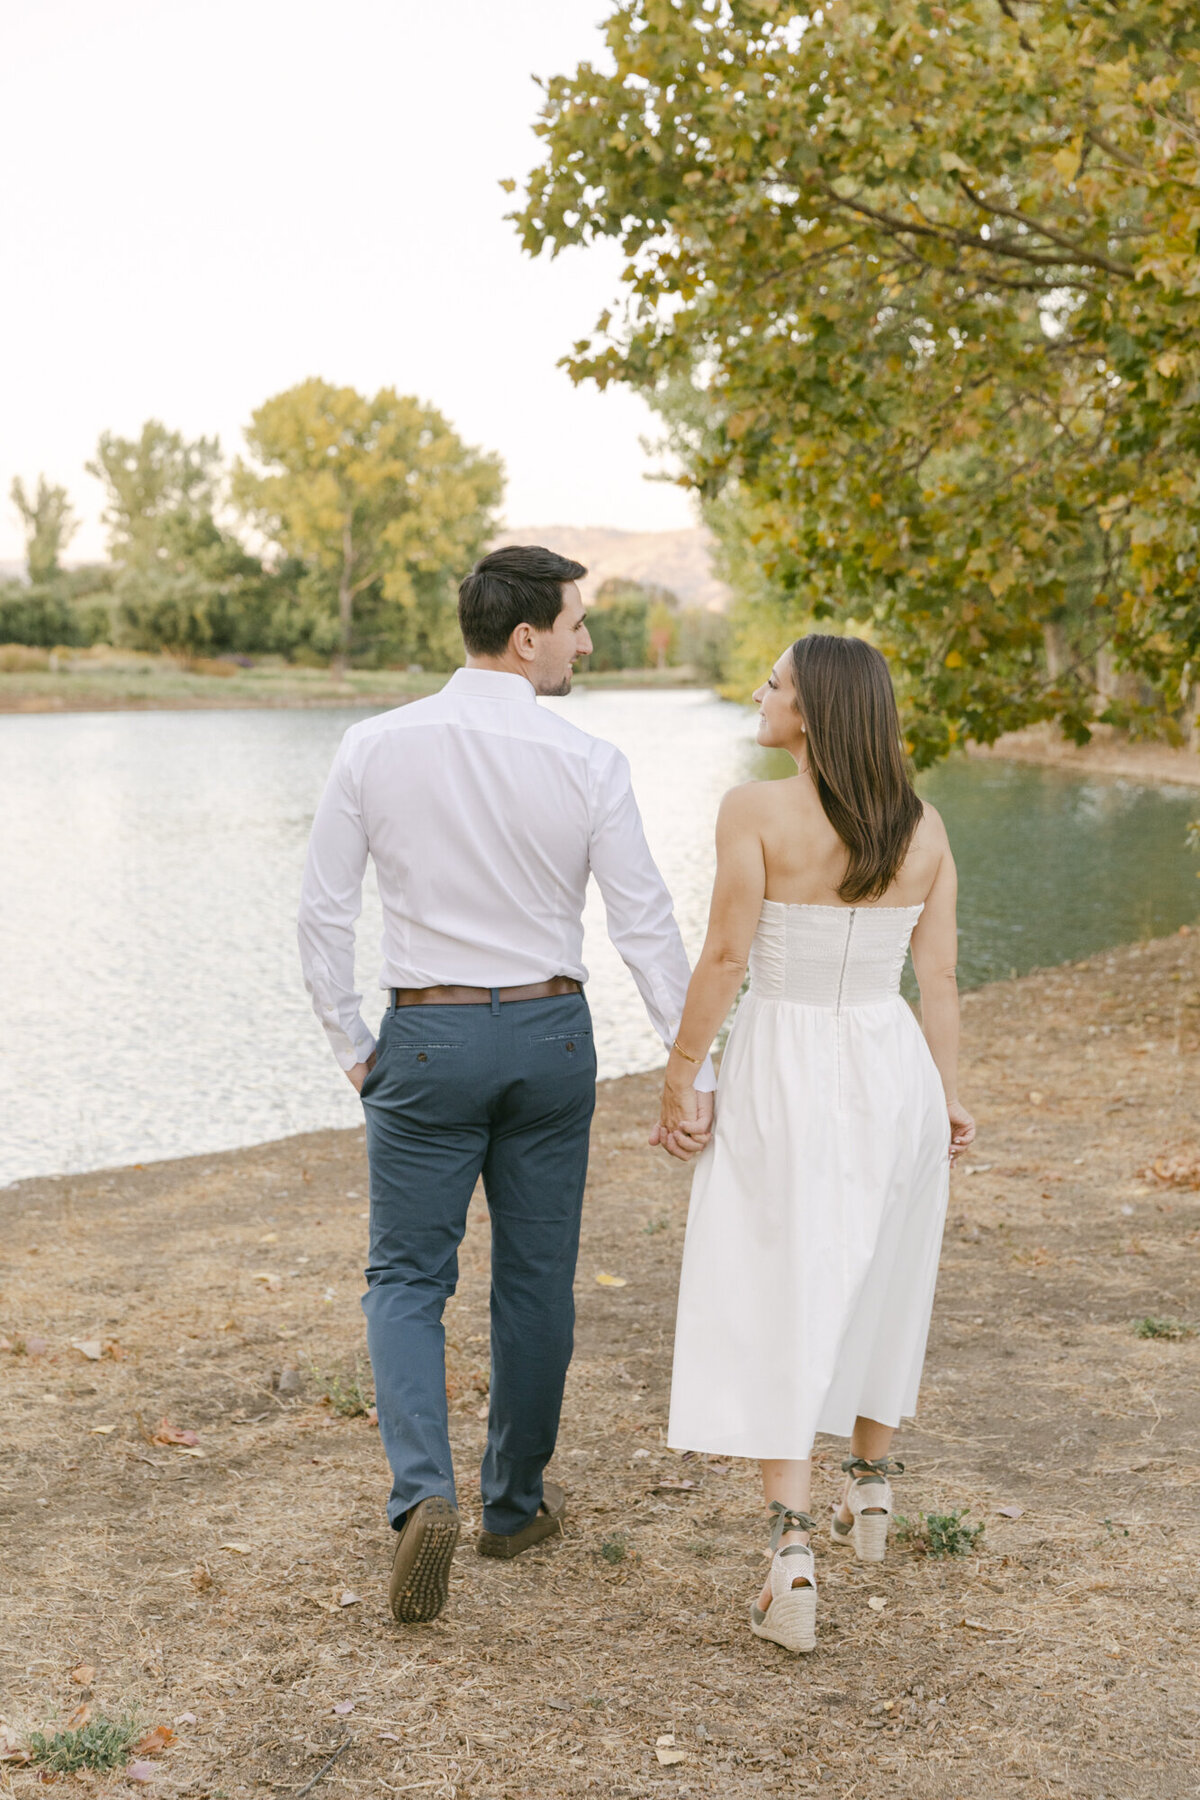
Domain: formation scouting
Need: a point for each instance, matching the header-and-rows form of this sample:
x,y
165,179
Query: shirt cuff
x,y
349,1054
706,1080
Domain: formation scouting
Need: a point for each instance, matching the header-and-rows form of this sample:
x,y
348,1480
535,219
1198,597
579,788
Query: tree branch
x,y
1079,253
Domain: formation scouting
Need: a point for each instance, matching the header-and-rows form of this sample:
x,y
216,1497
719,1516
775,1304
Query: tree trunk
x,y
1054,643
341,661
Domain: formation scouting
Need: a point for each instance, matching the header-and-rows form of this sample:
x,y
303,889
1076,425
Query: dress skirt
x,y
814,1230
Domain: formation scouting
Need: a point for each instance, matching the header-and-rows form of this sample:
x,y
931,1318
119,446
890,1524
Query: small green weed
x,y
939,1534
346,1395
703,1550
1171,1329
100,1744
614,1549
655,1225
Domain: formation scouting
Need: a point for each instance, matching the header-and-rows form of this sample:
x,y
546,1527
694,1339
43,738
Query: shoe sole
x,y
791,1621
870,1536
427,1584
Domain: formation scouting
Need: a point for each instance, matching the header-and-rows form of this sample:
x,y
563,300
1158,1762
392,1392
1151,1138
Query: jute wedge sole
x,y
790,1621
421,1565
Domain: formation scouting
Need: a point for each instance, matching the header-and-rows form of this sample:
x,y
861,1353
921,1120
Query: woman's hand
x,y
685,1122
962,1128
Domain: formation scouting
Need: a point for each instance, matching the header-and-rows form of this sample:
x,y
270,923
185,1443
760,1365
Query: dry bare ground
x,y
234,1589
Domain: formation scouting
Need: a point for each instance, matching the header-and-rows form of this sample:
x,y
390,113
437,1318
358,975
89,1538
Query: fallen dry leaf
x,y
603,1279
154,1741
238,1549
185,1718
171,1434
974,1624
666,1752
79,1717
36,1346
84,1674
140,1771
189,1450
876,1602
343,1706
272,1283
102,1430
1177,1169
670,1484
92,1348
201,1579
349,1598
1010,1512
11,1748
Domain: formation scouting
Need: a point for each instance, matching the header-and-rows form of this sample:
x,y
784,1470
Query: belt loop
x,y
394,992
495,1000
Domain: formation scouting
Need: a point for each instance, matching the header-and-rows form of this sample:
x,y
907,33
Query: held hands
x,y
962,1128
358,1074
686,1122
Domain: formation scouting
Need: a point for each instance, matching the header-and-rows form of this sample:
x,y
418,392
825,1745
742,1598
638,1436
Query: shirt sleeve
x,y
641,919
330,902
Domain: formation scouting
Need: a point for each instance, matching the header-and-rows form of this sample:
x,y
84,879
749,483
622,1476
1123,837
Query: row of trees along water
x,y
343,533
343,536
916,288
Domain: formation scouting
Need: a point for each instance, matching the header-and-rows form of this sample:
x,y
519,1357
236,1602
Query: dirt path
x,y
238,1594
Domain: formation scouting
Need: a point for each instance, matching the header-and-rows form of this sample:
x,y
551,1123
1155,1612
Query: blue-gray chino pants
x,y
505,1091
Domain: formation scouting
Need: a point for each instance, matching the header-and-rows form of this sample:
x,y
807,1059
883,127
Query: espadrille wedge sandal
x,y
869,1498
791,1619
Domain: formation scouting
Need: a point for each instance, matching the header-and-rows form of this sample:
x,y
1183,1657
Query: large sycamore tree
x,y
378,496
919,289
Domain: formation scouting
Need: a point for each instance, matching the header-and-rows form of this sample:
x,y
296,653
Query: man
x,y
484,814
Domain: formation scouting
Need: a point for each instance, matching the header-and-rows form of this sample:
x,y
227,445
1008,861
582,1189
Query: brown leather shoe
x,y
548,1523
421,1564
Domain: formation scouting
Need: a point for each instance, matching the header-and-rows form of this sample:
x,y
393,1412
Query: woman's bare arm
x,y
737,899
935,963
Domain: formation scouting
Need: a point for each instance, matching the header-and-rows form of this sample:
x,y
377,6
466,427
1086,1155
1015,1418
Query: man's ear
x,y
524,642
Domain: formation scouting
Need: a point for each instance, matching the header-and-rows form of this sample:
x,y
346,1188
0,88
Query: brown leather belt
x,y
473,996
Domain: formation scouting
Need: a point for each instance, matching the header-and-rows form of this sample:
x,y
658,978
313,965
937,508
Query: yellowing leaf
x,y
954,660
238,1549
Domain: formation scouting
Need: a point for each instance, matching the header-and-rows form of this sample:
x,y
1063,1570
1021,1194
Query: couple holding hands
x,y
822,1174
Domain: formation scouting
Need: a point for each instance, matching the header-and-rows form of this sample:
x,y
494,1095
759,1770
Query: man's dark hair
x,y
519,585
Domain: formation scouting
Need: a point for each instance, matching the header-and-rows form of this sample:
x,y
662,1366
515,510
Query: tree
x,y
378,497
155,484
50,524
928,277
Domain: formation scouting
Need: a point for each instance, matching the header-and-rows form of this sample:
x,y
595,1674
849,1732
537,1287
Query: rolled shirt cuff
x,y
706,1078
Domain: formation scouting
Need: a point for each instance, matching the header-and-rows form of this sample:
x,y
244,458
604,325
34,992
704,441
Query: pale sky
x,y
205,201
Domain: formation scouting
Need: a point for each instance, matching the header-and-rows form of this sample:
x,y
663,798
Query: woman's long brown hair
x,y
855,755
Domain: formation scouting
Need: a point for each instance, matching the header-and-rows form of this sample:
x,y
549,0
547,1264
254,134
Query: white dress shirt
x,y
485,814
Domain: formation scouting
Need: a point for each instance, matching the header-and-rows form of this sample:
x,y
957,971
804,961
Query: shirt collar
x,y
491,684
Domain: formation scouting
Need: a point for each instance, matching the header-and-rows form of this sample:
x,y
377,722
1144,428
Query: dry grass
x,y
239,1594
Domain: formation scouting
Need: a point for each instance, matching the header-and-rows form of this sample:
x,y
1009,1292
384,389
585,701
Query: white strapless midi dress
x,y
817,1208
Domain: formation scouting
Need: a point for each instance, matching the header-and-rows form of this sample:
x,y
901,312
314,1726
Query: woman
x,y
817,1208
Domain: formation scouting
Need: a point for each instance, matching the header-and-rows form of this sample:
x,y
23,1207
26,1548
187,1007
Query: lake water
x,y
150,1000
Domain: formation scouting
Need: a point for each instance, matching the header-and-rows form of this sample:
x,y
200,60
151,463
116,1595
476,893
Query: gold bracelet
x,y
692,1059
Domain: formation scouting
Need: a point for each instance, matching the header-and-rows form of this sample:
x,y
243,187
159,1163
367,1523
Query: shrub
x,y
1171,1329
100,1744
939,1534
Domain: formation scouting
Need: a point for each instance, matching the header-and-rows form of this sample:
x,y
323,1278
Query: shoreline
x,y
149,685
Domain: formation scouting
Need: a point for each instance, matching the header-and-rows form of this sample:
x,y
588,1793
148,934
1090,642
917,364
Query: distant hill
x,y
679,560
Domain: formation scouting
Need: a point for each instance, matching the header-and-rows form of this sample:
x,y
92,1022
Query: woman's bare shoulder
x,y
931,830
755,799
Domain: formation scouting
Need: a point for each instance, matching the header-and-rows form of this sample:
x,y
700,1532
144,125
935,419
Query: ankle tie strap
x,y
876,1471
787,1520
